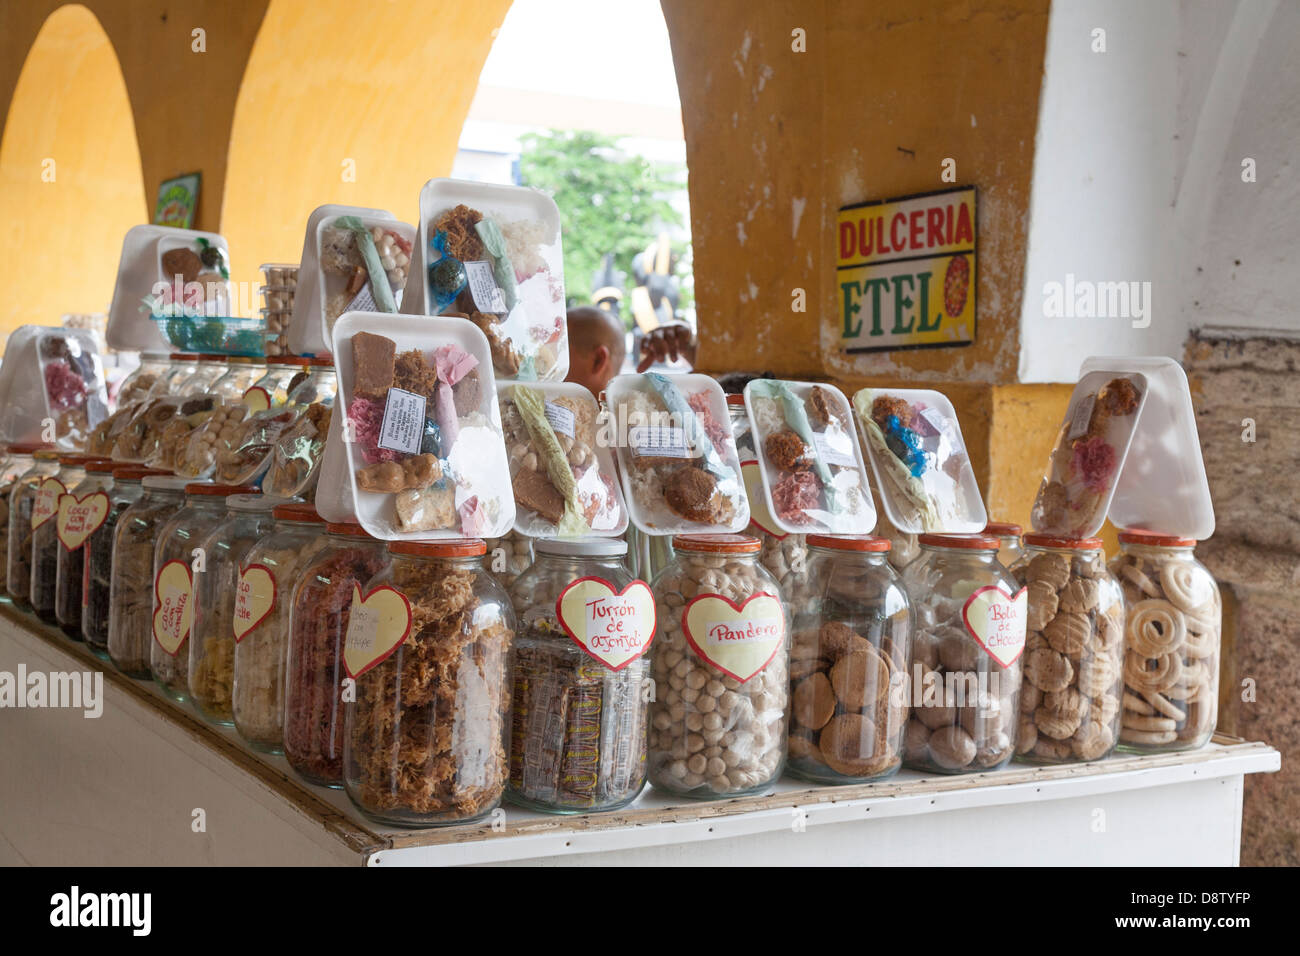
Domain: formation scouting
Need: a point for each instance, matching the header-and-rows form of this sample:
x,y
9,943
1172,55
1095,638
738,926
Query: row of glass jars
x,y
716,724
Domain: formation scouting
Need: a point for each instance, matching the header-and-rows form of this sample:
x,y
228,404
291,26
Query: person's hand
x,y
666,343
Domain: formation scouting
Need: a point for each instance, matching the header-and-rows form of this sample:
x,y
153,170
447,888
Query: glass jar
x,y
1172,635
321,603
849,661
131,581
427,736
296,454
177,552
578,718
241,372
261,622
207,370
149,378
86,507
182,366
18,461
1074,651
272,389
22,504
509,557
248,519
1008,536
45,537
96,591
784,555
967,656
721,667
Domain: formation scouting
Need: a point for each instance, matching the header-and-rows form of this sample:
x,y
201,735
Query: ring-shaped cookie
x,y
1165,706
1139,580
1185,586
1155,628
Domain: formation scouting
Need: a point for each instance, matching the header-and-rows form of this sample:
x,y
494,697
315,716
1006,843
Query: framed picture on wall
x,y
177,200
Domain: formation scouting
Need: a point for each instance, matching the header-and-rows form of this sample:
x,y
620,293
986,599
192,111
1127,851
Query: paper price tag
x,y
1082,416
254,599
483,287
658,441
403,424
378,624
78,518
46,505
997,622
614,627
561,419
835,450
738,639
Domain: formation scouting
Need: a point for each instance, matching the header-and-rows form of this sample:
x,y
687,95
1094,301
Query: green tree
x,y
610,201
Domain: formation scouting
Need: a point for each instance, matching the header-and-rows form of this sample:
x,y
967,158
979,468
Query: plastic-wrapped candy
x,y
447,278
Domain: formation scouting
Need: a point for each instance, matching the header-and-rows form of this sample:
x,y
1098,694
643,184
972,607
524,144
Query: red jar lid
x,y
1058,541
296,511
735,400
26,448
322,361
135,472
970,542
288,360
455,548
1155,539
848,542
1003,529
717,543
102,466
78,461
225,491
349,528
182,357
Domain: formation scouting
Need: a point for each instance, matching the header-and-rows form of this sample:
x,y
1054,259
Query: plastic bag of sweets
x,y
131,582
261,622
564,481
96,590
198,456
677,456
139,440
45,537
320,607
297,453
491,254
216,592
81,512
429,645
18,461
178,553
422,434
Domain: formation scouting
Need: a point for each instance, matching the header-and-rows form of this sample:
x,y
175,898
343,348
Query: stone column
x,y
1246,391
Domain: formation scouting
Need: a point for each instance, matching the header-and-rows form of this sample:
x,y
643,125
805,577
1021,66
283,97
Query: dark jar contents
x,y
427,736
97,581
86,507
45,543
318,624
18,462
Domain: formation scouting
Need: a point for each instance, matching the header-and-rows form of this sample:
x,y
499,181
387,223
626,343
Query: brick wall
x,y
1240,378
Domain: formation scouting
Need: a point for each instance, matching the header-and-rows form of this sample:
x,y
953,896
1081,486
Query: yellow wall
x,y
386,94
64,222
777,140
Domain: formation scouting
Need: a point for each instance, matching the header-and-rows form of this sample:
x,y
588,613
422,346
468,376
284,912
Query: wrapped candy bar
x,y
421,431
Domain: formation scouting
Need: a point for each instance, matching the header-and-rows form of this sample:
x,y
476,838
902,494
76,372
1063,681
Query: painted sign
x,y
905,274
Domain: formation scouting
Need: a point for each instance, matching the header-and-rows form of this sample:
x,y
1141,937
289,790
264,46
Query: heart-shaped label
x,y
752,473
173,606
46,505
377,626
79,518
257,399
739,640
614,627
996,620
254,599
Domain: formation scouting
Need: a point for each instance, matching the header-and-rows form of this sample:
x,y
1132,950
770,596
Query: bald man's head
x,y
597,344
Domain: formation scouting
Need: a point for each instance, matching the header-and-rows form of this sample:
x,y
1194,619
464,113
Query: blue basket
x,y
219,334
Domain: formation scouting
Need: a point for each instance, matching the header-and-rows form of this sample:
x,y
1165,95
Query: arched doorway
x,y
70,175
